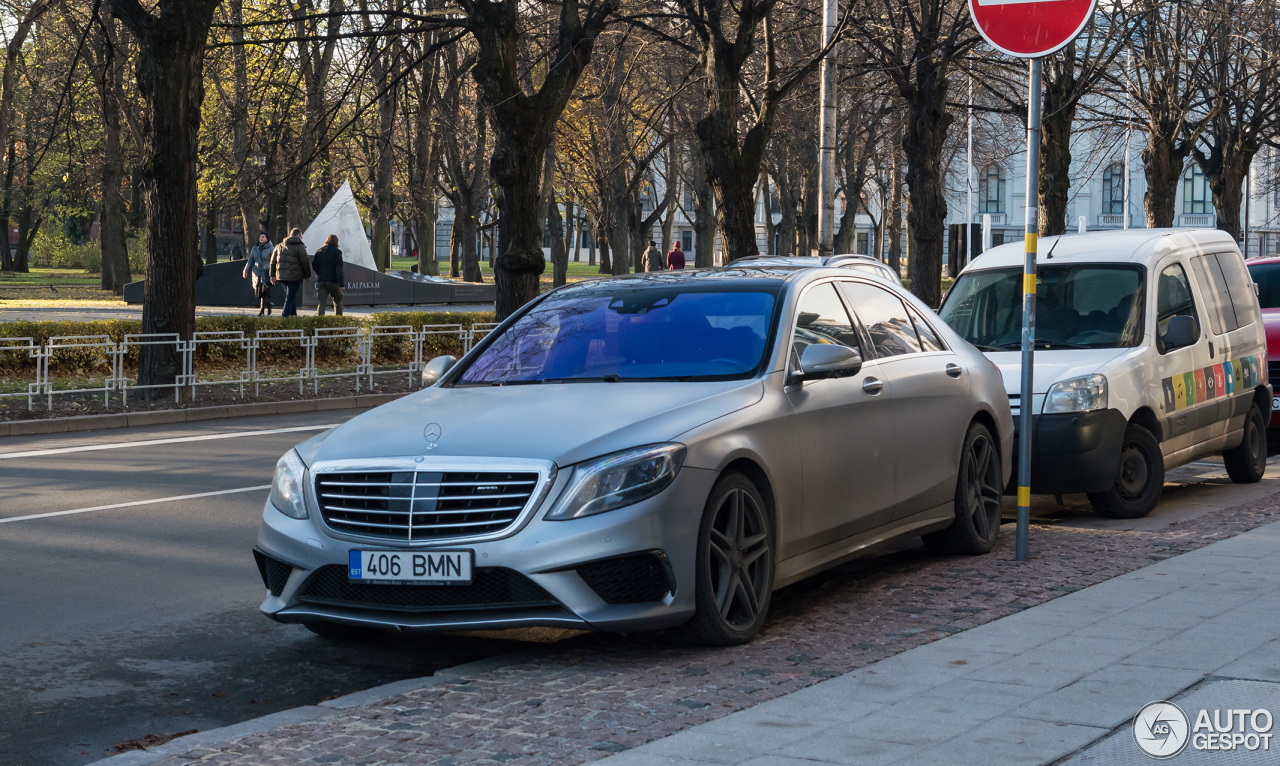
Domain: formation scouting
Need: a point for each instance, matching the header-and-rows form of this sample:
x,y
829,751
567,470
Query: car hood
x,y
1052,366
562,422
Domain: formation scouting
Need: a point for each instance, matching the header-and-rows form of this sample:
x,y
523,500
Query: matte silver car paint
x,y
845,470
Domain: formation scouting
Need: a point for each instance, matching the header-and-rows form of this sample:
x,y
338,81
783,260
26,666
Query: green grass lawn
x,y
50,276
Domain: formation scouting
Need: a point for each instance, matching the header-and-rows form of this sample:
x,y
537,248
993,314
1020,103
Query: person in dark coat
x,y
258,267
237,252
653,260
329,277
675,258
290,266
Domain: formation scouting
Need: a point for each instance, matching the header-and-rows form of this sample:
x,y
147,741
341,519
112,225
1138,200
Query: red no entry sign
x,y
1030,28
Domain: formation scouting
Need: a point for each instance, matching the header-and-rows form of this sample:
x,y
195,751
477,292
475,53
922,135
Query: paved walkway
x,y
1037,686
125,311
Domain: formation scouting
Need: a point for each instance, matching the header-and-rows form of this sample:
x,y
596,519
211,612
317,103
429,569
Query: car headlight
x,y
286,489
1077,395
618,480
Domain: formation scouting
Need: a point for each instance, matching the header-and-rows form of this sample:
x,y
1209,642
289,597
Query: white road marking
x,y
152,442
136,502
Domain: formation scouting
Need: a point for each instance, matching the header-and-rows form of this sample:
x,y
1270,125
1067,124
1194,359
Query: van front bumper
x,y
1073,451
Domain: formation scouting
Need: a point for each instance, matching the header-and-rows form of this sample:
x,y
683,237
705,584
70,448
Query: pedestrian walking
x,y
675,258
237,252
329,277
653,260
258,267
290,266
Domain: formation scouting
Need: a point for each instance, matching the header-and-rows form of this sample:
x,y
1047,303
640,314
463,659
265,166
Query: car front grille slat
x,y
423,506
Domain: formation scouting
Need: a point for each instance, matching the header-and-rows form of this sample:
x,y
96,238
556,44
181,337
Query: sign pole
x,y
1026,398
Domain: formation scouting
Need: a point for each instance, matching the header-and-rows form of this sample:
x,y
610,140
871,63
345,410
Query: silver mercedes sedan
x,y
660,451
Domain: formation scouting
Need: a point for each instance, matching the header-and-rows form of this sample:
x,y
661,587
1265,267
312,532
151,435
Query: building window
x,y
991,190
1113,190
1195,192
863,245
686,242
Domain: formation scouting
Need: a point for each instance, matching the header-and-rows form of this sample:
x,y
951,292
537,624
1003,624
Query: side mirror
x,y
436,368
1181,331
825,360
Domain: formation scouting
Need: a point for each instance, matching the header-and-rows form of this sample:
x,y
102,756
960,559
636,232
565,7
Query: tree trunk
x,y
210,234
465,223
249,213
111,216
923,142
455,245
893,214
704,221
559,255
1055,166
22,261
590,230
602,244
170,72
11,167
1163,163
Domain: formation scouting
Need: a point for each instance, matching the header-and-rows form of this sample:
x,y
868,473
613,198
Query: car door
x,y
1190,413
845,430
930,396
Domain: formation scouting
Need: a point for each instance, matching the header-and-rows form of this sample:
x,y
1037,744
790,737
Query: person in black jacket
x,y
327,263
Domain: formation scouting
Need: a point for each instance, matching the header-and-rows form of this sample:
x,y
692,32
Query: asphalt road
x,y
142,618
137,620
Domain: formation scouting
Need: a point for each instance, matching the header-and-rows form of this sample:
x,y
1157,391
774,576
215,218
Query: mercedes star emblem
x,y
433,432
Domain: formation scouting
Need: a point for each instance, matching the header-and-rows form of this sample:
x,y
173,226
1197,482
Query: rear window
x,y
1267,276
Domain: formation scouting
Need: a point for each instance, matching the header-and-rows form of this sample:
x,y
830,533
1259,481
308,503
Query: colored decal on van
x,y
1206,383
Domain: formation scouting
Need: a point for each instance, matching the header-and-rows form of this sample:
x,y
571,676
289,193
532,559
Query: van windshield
x,y
1082,306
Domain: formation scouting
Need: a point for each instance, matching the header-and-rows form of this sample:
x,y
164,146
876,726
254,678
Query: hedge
x,y
330,352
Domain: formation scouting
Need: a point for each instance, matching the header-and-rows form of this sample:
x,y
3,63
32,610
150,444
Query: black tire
x,y
1247,463
979,494
342,631
734,582
1139,478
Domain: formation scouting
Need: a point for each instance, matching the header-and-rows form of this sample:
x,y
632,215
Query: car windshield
x,y
1082,306
1267,277
629,333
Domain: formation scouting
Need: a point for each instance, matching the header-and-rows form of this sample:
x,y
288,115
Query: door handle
x,y
954,369
872,386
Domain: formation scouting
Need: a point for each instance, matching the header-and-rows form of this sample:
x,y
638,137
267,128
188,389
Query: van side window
x,y
885,318
1240,285
1213,287
1173,298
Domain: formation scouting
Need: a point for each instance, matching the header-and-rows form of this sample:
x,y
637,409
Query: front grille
x,y
490,588
423,505
1015,402
627,579
274,573
1273,372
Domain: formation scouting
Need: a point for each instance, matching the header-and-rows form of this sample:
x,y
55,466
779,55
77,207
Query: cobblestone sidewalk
x,y
604,694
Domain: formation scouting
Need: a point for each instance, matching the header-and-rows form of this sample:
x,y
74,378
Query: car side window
x,y
822,319
1217,299
929,340
1240,286
885,317
1173,298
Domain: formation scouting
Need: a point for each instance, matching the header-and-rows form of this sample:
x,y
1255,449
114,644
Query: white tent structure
x,y
341,217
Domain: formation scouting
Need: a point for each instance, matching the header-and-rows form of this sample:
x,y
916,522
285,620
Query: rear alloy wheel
x,y
734,568
1247,462
1139,478
979,494
342,631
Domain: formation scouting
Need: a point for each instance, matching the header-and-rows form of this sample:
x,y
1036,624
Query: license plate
x,y
1275,403
411,568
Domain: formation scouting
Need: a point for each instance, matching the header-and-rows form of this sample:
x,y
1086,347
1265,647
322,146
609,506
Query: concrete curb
x,y
311,712
163,417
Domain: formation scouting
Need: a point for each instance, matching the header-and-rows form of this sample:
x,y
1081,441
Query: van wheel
x,y
978,498
1139,478
1246,463
734,580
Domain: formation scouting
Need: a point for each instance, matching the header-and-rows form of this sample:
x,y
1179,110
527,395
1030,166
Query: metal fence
x,y
362,354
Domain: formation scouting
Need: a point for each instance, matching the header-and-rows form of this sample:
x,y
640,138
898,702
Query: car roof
x,y
1262,260
729,276
1139,246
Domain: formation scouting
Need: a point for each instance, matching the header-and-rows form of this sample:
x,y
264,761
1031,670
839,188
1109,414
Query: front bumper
x,y
549,573
1073,452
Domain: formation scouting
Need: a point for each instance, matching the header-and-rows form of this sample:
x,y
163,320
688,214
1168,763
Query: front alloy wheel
x,y
734,567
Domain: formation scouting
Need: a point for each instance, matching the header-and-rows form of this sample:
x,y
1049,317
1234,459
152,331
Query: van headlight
x,y
286,489
1077,395
618,480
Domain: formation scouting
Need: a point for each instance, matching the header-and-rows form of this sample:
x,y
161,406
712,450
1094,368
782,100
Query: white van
x,y
1150,353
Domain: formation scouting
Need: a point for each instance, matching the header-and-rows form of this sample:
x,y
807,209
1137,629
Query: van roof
x,y
1131,246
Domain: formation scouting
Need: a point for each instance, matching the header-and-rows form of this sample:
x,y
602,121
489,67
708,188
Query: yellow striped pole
x,y
1026,416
